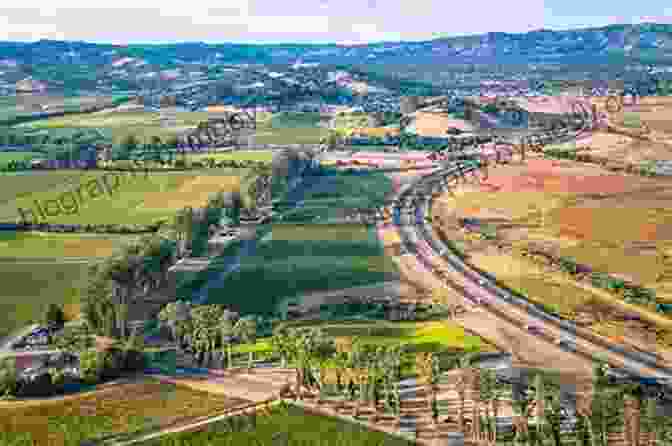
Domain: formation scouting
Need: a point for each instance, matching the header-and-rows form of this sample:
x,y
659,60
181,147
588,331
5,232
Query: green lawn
x,y
292,423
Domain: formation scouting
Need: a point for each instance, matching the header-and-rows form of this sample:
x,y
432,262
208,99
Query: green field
x,y
294,120
121,124
282,135
47,245
435,336
285,268
239,155
121,408
6,157
298,259
282,128
139,198
296,426
27,286
23,184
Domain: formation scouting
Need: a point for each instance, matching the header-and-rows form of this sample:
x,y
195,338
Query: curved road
x,y
508,313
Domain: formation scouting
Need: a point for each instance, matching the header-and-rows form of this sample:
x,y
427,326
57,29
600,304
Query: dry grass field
x,y
613,223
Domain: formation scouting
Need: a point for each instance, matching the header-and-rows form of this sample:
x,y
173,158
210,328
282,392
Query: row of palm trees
x,y
601,415
368,370
373,368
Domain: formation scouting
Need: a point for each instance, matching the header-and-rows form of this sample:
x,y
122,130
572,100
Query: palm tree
x,y
600,383
521,408
246,330
281,343
123,271
539,404
464,361
227,332
184,227
168,316
206,328
361,356
391,367
488,394
323,349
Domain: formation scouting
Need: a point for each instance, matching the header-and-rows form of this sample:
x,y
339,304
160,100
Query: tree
x,y
91,366
123,270
168,316
226,330
281,343
8,377
488,394
599,403
75,339
184,226
321,351
206,328
54,315
246,330
522,405
129,143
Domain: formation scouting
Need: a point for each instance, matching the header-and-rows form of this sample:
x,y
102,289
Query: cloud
x,y
296,20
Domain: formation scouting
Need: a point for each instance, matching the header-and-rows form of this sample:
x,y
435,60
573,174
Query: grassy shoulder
x,y
434,336
122,408
293,424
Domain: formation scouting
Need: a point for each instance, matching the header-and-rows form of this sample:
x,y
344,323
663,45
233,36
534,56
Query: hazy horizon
x,y
302,22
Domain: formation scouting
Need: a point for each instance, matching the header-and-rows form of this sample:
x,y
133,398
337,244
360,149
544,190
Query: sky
x,y
318,21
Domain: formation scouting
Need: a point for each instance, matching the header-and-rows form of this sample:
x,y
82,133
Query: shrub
x,y
568,265
54,315
91,365
8,378
57,379
41,385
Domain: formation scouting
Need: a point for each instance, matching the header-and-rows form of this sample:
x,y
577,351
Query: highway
x,y
511,313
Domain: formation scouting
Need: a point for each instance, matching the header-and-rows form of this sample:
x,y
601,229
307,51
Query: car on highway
x,y
566,342
534,329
